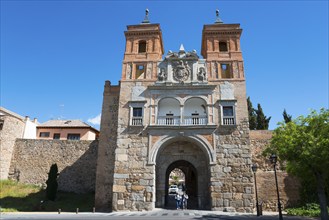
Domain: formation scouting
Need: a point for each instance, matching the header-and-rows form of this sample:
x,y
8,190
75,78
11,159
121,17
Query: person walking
x,y
184,199
178,199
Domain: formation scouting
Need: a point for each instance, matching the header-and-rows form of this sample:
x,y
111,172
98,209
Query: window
x,y
73,136
1,124
228,113
136,112
137,118
170,119
57,136
142,47
44,134
140,71
223,47
195,118
225,71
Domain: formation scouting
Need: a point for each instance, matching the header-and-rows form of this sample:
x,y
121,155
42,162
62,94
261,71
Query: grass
x,y
16,197
310,210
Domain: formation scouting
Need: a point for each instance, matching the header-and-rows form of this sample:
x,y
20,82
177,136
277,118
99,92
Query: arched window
x,y
168,112
223,47
142,46
195,112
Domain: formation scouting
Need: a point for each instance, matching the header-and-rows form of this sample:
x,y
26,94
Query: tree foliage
x,y
52,185
304,145
262,121
252,115
287,118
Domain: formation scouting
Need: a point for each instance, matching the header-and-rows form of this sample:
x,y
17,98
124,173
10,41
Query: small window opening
x,y
57,136
142,47
140,71
169,119
137,118
73,136
226,71
1,124
44,134
228,115
223,47
195,118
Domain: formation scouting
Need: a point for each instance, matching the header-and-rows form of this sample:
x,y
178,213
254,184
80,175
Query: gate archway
x,y
190,158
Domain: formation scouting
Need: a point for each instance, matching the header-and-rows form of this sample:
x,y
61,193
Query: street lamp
x,y
254,169
274,159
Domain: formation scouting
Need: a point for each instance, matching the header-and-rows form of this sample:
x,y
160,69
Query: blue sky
x,y
56,55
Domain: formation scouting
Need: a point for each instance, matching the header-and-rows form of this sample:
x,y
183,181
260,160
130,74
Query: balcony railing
x,y
137,121
228,121
187,120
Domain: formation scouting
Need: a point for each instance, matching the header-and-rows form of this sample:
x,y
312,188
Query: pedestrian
x,y
184,198
178,199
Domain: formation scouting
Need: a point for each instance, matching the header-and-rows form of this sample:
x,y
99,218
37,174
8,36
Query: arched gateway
x,y
176,111
192,160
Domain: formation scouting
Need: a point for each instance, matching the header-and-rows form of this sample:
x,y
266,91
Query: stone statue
x,y
202,74
162,76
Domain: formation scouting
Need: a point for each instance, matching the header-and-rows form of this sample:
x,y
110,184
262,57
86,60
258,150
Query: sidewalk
x,y
160,214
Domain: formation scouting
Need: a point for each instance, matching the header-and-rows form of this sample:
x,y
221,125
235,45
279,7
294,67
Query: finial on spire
x,y
218,20
146,19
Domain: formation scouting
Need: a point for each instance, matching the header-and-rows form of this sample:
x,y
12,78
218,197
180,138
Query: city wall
x,y
76,162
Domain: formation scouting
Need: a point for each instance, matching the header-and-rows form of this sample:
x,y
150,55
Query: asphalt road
x,y
156,214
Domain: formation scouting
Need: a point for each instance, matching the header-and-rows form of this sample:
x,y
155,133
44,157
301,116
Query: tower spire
x,y
146,19
218,20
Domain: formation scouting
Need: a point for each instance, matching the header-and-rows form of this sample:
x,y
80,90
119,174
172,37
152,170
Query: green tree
x,y
304,145
262,120
252,115
52,184
287,118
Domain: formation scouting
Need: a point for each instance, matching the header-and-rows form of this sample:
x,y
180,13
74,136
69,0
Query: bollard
x,y
77,210
94,209
59,211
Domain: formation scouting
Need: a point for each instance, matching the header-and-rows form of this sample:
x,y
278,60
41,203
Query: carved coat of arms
x,y
181,71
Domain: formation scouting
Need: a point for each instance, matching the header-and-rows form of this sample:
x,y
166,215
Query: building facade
x,y
177,111
66,130
13,126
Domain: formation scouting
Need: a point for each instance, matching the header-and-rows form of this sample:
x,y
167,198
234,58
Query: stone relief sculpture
x,y
181,71
162,76
149,71
128,71
214,69
202,76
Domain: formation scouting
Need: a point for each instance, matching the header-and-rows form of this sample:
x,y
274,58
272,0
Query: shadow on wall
x,y
80,176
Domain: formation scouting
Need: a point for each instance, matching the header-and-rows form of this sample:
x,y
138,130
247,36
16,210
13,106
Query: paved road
x,y
156,214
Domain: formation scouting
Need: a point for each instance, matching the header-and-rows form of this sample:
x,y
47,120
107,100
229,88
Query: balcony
x,y
228,121
186,120
137,121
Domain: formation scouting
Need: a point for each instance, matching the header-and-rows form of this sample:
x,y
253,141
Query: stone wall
x,y
12,128
76,161
288,185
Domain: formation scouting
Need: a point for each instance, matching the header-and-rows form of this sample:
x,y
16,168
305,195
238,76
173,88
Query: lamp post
x,y
273,159
254,169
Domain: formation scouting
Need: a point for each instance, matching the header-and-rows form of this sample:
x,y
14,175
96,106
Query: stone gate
x,y
176,111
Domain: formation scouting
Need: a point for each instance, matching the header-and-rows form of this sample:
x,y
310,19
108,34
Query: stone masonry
x,y
76,161
12,128
178,111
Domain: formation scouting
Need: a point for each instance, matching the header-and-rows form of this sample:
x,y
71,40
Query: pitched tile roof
x,y
66,123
